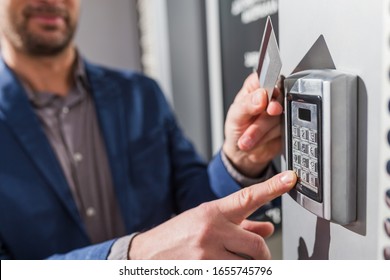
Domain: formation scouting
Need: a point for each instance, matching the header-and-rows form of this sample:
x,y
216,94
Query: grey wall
x,y
354,33
108,33
187,39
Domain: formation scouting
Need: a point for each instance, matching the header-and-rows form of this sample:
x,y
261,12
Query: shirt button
x,y
90,212
77,157
65,110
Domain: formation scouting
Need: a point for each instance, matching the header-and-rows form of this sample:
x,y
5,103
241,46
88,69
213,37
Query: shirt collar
x,y
78,91
80,74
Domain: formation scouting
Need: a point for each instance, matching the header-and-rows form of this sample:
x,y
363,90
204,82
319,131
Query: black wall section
x,y
241,34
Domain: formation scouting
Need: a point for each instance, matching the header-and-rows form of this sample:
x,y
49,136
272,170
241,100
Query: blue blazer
x,y
155,169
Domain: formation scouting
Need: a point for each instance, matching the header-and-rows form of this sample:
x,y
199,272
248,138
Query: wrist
x,y
134,247
243,163
242,180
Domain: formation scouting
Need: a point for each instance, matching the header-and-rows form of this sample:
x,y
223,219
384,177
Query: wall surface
x,y
108,33
354,32
188,52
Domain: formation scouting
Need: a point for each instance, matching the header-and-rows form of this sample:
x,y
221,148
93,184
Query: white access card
x,y
270,62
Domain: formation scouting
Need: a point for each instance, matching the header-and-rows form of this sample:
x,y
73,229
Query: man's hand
x,y
217,229
253,128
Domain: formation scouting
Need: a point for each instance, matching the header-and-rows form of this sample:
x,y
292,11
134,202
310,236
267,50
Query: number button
x,y
305,162
304,176
313,151
305,148
312,136
313,166
304,133
313,180
297,170
297,159
295,131
296,144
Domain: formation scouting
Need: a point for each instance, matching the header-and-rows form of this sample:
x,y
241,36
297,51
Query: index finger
x,y
238,206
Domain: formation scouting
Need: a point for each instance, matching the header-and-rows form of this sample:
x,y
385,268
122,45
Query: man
x,y
93,164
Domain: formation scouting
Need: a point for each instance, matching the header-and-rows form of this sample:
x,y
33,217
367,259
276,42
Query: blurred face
x,y
39,27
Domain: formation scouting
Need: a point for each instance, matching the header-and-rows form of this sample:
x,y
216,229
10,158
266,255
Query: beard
x,y
37,44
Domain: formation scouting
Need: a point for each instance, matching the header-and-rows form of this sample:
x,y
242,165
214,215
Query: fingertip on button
x,y
288,178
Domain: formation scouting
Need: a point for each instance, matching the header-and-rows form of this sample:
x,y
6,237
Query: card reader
x,y
321,141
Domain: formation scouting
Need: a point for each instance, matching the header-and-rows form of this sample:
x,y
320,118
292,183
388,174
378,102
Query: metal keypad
x,y
305,157
305,151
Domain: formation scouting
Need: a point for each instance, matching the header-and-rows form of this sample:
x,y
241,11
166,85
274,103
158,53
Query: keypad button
x,y
305,162
297,170
304,133
312,136
295,131
304,176
296,144
313,166
313,180
388,197
297,159
313,151
305,148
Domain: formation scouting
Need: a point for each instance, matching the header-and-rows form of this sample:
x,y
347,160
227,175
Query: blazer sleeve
x,y
3,253
222,183
94,252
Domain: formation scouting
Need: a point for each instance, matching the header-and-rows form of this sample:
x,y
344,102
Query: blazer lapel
x,y
112,119
26,127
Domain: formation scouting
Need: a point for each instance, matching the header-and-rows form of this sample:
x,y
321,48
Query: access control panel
x,y
321,142
305,145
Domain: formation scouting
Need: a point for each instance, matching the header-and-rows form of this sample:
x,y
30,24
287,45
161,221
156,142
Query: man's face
x,y
39,27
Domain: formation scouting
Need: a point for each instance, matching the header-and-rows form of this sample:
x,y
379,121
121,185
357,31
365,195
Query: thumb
x,y
239,205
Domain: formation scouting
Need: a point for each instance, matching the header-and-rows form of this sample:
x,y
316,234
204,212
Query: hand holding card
x,y
270,63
